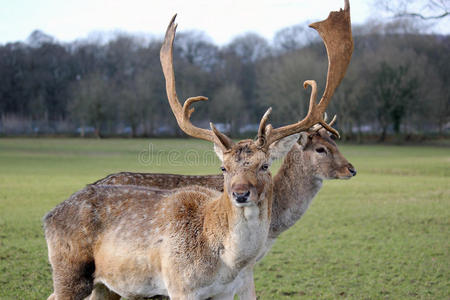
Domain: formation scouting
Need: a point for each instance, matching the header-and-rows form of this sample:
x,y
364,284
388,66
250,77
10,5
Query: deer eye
x,y
223,169
321,150
265,167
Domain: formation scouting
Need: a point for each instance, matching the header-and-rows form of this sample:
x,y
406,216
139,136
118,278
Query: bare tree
x,y
91,102
294,38
197,48
392,92
425,10
228,99
279,80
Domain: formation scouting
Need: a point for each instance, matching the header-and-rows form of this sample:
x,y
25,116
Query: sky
x,y
221,20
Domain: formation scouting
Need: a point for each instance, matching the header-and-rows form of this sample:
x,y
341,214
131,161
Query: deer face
x,y
325,156
245,166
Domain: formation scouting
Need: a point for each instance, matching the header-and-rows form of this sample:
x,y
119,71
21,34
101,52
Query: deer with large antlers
x,y
195,243
314,158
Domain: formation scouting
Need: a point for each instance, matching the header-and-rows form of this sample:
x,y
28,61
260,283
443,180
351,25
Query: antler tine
x,y
336,34
319,126
183,114
333,120
187,111
261,139
315,113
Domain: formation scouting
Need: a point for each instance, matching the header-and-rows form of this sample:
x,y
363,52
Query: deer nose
x,y
241,197
352,170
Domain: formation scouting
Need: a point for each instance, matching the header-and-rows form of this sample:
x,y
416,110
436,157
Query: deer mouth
x,y
242,198
347,174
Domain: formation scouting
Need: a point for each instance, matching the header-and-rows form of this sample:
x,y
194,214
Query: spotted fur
x,y
137,242
295,185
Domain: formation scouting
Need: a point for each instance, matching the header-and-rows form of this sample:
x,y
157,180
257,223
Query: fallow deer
x,y
313,159
192,244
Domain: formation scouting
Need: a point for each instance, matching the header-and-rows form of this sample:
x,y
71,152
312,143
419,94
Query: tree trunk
x,y
383,134
97,131
133,130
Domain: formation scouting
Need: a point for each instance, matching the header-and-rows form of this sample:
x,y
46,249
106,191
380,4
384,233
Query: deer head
x,y
328,161
337,36
245,164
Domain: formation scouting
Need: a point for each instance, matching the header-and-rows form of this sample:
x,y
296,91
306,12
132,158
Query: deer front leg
x,y
52,297
101,292
247,290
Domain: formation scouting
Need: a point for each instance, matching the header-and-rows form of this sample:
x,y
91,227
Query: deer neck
x,y
238,234
295,185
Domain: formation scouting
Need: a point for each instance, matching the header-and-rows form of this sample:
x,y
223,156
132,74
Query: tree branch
x,y
445,14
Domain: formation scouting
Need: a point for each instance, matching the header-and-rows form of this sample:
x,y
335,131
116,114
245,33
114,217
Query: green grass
x,y
382,235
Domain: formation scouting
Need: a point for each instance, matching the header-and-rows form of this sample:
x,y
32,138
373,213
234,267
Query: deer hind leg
x,y
72,282
72,271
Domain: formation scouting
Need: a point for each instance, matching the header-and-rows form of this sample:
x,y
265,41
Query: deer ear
x,y
280,148
219,152
303,140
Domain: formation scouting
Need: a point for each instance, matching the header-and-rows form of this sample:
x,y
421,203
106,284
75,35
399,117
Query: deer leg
x,y
101,292
247,290
227,296
68,283
52,297
178,295
72,271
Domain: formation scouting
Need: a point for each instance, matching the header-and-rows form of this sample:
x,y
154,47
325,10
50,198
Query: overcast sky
x,y
222,20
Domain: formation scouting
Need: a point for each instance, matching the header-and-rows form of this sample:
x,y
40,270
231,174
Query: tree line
x,y
397,83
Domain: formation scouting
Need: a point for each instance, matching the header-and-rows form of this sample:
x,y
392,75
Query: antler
x,y
183,114
337,36
317,127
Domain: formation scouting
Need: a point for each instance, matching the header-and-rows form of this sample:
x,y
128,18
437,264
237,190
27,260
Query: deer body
x,y
201,251
189,244
310,161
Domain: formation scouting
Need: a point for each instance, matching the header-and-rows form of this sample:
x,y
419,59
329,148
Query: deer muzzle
x,y
351,169
241,191
241,197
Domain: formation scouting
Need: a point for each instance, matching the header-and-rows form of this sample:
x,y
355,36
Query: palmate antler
x,y
337,35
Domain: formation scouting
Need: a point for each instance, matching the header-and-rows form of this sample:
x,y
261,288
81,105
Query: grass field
x,y
382,235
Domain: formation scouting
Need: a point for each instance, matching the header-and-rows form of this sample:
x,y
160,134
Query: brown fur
x,y
300,178
148,236
296,179
162,181
295,185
